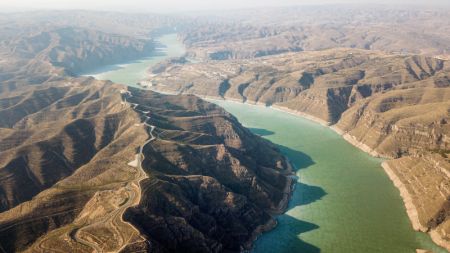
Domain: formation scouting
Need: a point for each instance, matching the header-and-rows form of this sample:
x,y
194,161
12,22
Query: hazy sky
x,y
183,5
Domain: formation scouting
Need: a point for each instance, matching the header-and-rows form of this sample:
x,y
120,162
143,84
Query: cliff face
x,y
69,175
323,84
424,184
401,122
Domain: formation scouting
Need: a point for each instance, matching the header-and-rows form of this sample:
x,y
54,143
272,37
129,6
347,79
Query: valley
x,y
390,106
206,80
267,130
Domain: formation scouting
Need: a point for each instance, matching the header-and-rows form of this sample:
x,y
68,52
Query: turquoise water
x,y
343,201
131,73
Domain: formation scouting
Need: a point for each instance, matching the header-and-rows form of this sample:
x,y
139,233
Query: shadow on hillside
x,y
304,194
285,238
261,132
298,159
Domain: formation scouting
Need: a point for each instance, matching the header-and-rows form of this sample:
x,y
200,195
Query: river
x,y
132,72
343,201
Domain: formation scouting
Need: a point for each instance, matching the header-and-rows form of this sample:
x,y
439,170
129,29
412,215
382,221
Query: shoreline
x,y
280,209
347,137
411,209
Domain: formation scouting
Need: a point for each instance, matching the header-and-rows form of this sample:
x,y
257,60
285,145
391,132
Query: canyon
x,y
117,166
391,106
69,178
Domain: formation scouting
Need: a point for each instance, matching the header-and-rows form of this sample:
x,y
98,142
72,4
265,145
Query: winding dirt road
x,y
132,188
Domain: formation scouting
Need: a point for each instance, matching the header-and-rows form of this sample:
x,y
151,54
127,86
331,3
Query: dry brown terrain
x,y
71,177
268,31
388,105
71,174
65,182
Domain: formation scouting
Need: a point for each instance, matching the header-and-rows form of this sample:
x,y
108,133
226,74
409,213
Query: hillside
x,y
62,160
393,106
88,165
244,34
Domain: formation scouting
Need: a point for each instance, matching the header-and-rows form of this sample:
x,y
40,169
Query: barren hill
x,y
88,165
268,31
388,105
71,148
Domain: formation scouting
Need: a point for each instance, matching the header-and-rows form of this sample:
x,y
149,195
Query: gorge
x,y
286,129
329,170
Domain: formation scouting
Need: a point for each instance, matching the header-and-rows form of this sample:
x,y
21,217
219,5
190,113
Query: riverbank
x,y
131,73
349,138
281,208
397,222
411,209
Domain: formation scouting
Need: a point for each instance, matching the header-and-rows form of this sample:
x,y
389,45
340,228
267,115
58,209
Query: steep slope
x,y
71,152
56,140
424,185
210,179
393,106
323,83
75,49
65,181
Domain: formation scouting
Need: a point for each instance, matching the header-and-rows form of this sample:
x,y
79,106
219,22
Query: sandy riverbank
x,y
407,199
411,209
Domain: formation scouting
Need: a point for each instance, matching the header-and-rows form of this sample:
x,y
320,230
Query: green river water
x,y
131,73
343,201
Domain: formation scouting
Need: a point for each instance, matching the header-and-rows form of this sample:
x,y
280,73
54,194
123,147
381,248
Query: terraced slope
x,y
67,173
323,84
